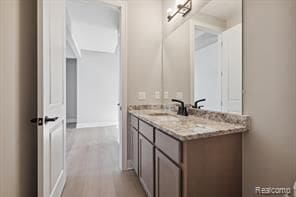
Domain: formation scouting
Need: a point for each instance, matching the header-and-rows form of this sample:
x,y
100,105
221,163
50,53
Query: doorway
x,y
96,122
217,67
207,68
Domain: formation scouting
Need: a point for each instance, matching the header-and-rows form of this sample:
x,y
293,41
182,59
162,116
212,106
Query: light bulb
x,y
169,11
180,2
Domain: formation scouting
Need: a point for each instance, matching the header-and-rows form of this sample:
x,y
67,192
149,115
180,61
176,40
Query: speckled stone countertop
x,y
199,123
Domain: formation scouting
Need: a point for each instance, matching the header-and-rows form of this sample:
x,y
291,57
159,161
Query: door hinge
x,y
39,121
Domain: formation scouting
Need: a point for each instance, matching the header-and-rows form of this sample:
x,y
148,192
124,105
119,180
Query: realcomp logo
x,y
285,191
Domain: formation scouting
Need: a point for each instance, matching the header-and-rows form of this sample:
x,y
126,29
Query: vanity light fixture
x,y
182,8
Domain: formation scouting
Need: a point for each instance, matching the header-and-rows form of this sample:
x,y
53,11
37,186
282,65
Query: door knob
x,y
39,121
47,119
119,105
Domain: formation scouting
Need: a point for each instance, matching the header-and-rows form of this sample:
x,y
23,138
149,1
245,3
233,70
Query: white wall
x,y
207,80
72,48
94,27
176,63
144,50
98,89
144,32
269,149
69,51
95,37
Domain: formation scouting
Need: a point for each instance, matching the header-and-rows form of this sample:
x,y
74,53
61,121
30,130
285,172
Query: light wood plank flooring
x,y
93,167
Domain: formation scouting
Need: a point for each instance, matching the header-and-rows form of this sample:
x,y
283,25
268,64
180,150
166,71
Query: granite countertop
x,y
195,126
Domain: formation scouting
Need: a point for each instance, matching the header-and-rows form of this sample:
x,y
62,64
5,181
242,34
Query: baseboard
x,y
96,124
130,165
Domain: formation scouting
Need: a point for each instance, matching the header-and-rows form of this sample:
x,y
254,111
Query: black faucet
x,y
196,103
182,110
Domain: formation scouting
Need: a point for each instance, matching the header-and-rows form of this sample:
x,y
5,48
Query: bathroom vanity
x,y
199,155
196,155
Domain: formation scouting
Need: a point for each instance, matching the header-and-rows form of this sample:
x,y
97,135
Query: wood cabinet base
x,y
213,167
167,167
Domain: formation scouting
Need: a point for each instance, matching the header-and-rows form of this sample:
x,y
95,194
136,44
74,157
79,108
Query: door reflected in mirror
x,y
202,58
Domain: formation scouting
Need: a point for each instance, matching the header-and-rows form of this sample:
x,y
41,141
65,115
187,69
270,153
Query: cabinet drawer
x,y
146,130
134,122
168,145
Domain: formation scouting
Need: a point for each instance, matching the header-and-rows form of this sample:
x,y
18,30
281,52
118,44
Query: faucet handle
x,y
201,106
198,101
185,112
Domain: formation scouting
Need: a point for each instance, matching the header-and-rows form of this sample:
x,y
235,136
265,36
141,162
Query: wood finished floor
x,y
93,167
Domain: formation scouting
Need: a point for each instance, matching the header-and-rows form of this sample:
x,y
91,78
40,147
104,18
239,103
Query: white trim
x,y
130,165
191,56
73,44
70,39
41,174
96,124
123,139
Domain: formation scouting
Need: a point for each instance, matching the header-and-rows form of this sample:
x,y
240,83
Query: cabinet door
x,y
135,135
146,168
167,177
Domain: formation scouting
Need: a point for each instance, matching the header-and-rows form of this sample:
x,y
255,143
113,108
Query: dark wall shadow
x,y
27,99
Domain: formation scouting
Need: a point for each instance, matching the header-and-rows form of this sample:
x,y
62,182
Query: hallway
x,y
93,167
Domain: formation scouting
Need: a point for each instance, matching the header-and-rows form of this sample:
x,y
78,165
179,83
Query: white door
x,y
51,98
207,70
232,70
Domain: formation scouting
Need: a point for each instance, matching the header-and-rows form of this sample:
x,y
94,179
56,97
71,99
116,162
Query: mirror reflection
x,y
202,59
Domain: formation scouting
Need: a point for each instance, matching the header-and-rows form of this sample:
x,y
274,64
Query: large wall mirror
x,y
202,58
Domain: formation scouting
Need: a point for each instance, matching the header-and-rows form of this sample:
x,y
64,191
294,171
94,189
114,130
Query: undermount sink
x,y
163,116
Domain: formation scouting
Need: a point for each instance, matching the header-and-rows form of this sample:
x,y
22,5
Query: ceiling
x,y
94,25
204,39
93,12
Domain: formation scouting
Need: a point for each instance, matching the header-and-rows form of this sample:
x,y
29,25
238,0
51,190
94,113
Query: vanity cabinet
x,y
169,167
167,177
146,165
